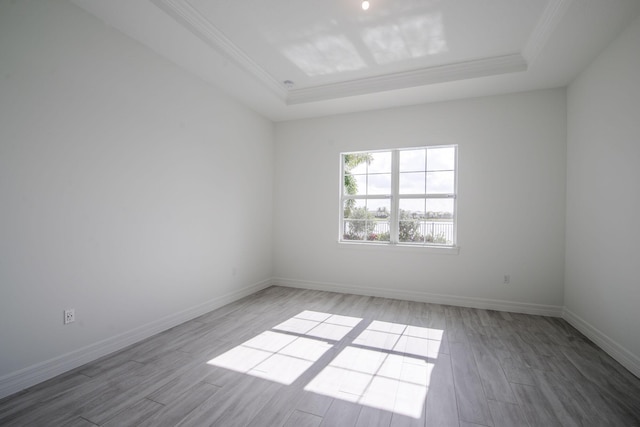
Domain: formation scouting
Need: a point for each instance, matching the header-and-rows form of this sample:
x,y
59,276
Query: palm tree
x,y
350,184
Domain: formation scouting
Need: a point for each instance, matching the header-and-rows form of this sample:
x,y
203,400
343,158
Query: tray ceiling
x,y
301,58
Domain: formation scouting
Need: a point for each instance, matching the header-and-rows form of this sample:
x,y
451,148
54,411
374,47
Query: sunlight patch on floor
x,y
388,366
284,356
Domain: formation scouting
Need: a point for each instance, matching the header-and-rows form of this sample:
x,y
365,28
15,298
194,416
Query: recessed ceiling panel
x,y
319,42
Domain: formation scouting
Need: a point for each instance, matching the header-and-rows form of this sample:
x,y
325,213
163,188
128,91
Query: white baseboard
x,y
482,303
615,350
27,377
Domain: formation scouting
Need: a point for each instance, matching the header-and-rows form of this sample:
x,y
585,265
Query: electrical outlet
x,y
507,279
69,316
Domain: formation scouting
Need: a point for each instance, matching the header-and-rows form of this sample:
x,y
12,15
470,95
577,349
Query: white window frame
x,y
395,197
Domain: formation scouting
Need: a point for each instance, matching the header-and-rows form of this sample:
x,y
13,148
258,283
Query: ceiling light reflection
x,y
408,38
324,55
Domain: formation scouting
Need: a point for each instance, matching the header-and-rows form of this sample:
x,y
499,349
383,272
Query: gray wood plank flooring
x,y
291,357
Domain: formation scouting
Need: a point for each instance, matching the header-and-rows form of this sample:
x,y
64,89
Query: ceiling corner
x,y
549,21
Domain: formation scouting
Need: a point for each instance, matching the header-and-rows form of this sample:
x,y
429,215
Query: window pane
x,y
412,183
439,224
355,184
412,207
352,205
356,162
379,184
412,160
380,162
355,216
366,220
411,218
440,209
440,182
441,159
379,227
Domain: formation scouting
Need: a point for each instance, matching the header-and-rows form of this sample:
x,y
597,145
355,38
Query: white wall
x,y
129,189
139,195
602,288
511,202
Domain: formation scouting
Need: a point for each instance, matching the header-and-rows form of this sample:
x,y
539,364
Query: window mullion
x,y
395,200
341,225
365,197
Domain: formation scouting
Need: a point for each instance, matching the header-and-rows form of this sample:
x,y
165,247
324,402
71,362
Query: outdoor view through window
x,y
400,196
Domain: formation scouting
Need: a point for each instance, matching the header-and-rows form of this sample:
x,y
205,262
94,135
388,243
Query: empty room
x,y
319,213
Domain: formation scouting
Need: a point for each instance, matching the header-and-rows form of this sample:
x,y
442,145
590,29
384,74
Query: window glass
x,y
412,160
412,182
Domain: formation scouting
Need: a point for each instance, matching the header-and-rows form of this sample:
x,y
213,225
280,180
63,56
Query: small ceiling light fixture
x,y
365,5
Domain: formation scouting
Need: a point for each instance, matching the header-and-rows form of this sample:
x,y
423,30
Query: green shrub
x,y
360,223
409,228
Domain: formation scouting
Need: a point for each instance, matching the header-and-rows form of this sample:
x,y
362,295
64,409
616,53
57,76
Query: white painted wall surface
x,y
603,186
129,189
511,204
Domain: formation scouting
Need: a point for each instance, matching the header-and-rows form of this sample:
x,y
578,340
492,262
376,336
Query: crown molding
x,y
549,21
198,25
406,79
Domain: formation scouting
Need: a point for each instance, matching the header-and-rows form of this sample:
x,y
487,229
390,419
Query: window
x,y
400,196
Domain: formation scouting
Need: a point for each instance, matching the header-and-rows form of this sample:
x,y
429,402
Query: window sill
x,y
448,250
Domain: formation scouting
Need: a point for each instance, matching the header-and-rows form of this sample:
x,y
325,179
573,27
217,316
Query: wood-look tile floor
x,y
296,358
